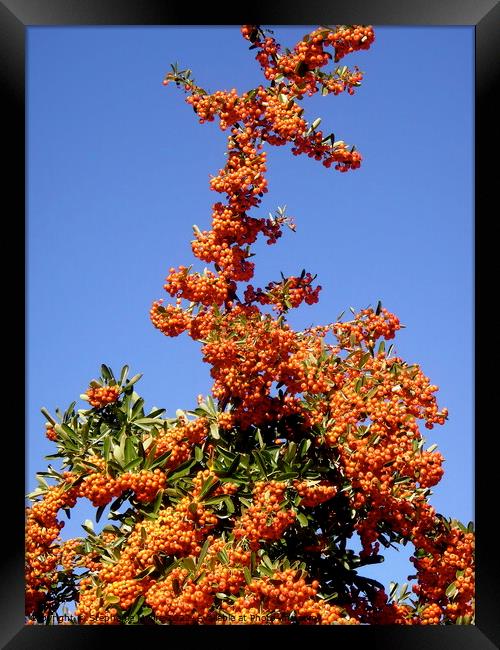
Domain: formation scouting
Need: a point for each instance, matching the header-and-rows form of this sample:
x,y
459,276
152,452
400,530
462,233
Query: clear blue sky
x,y
118,171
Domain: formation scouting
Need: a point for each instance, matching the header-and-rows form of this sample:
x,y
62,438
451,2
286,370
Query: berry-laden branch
x,y
268,114
242,511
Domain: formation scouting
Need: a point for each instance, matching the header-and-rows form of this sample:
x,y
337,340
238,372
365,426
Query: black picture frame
x,y
15,17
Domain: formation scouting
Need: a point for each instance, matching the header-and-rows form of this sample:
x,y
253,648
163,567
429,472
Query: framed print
x,y
298,475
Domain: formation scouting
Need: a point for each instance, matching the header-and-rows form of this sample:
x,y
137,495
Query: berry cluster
x,y
266,519
100,488
179,440
288,294
315,493
100,396
282,599
267,114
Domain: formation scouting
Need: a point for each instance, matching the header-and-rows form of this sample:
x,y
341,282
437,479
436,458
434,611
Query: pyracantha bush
x,y
241,510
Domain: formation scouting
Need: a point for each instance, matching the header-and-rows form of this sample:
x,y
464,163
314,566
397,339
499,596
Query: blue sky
x,y
118,171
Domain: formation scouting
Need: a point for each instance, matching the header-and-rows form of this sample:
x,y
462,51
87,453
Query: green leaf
x,y
130,452
123,374
291,451
155,413
371,392
283,476
161,460
99,512
137,605
47,415
203,552
244,460
211,405
158,501
199,577
107,373
117,503
88,527
301,68
229,504
214,430
248,575
119,454
148,421
65,429
188,563
214,501
133,463
302,519
259,463
304,447
41,480
267,561
132,381
145,572
207,486
263,570
53,456
137,408
182,470
149,455
364,359
230,470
